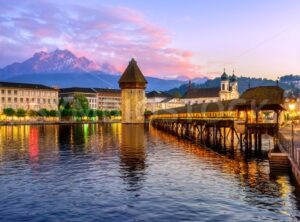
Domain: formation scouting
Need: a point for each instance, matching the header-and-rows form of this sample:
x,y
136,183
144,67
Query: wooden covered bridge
x,y
226,123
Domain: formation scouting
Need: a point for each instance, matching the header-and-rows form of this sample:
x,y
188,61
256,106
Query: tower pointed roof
x,y
132,76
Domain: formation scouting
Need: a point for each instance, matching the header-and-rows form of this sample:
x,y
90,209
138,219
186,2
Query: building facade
x,y
108,99
68,95
27,96
228,90
133,84
157,100
98,98
229,87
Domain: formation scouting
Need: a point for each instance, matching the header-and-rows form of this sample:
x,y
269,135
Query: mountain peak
x,y
58,61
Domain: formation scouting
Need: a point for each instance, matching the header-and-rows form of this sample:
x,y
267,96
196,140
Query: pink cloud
x,y
105,34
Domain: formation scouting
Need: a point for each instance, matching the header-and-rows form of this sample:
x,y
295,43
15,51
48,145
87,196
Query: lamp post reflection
x,y
132,155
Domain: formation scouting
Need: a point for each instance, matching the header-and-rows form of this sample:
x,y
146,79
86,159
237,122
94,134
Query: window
x,y
27,100
32,100
15,92
9,99
3,91
223,86
15,100
3,99
21,100
9,92
49,101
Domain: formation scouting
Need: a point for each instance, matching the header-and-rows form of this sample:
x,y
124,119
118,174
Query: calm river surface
x,y
133,173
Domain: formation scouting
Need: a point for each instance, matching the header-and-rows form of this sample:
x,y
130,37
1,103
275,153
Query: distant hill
x,y
243,84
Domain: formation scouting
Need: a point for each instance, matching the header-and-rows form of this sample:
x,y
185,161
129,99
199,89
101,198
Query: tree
x,y
100,114
80,103
43,113
9,112
106,113
32,113
115,113
53,113
21,113
91,113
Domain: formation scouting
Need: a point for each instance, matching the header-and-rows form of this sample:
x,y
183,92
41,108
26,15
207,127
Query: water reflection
x,y
252,174
133,155
102,169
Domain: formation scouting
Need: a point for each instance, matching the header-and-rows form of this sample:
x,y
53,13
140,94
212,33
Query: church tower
x,y
224,92
234,92
132,84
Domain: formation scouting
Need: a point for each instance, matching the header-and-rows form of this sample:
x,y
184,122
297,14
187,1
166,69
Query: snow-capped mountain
x,y
58,61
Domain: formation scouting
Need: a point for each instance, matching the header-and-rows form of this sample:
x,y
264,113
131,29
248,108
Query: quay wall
x,y
285,145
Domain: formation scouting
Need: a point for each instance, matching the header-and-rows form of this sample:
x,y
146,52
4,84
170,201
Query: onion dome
x,y
233,78
224,76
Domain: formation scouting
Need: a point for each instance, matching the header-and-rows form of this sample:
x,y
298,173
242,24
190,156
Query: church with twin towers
x,y
227,90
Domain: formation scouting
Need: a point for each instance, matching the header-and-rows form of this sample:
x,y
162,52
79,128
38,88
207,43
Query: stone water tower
x,y
133,84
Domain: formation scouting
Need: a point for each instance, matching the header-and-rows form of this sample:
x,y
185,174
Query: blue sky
x,y
168,38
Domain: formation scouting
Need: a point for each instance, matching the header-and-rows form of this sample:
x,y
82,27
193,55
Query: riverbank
x,y
13,123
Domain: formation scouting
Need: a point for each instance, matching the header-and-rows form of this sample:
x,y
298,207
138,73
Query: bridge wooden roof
x,y
259,98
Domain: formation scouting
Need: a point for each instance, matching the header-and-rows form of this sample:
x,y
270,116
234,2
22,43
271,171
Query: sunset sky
x,y
168,38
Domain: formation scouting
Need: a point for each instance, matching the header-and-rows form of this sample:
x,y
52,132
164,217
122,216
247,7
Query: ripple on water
x,y
132,173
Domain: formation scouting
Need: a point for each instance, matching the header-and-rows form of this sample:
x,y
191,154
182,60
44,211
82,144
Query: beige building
x,y
132,84
108,99
27,96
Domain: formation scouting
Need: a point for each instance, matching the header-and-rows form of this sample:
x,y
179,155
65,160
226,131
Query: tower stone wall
x,y
133,105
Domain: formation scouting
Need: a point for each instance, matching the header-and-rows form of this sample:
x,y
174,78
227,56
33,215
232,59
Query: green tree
x,y
53,113
43,113
106,113
91,113
21,113
9,112
32,113
115,113
80,103
100,114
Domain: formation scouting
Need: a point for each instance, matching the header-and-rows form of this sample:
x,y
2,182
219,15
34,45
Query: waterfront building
x,y
157,100
68,95
228,90
108,99
98,98
27,96
133,84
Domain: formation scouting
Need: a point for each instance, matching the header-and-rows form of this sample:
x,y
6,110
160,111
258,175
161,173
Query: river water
x,y
112,172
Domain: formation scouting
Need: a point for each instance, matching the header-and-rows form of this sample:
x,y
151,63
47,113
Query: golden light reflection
x,y
248,173
132,153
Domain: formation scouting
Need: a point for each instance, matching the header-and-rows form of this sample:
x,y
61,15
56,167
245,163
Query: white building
x,y
157,100
228,90
68,94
